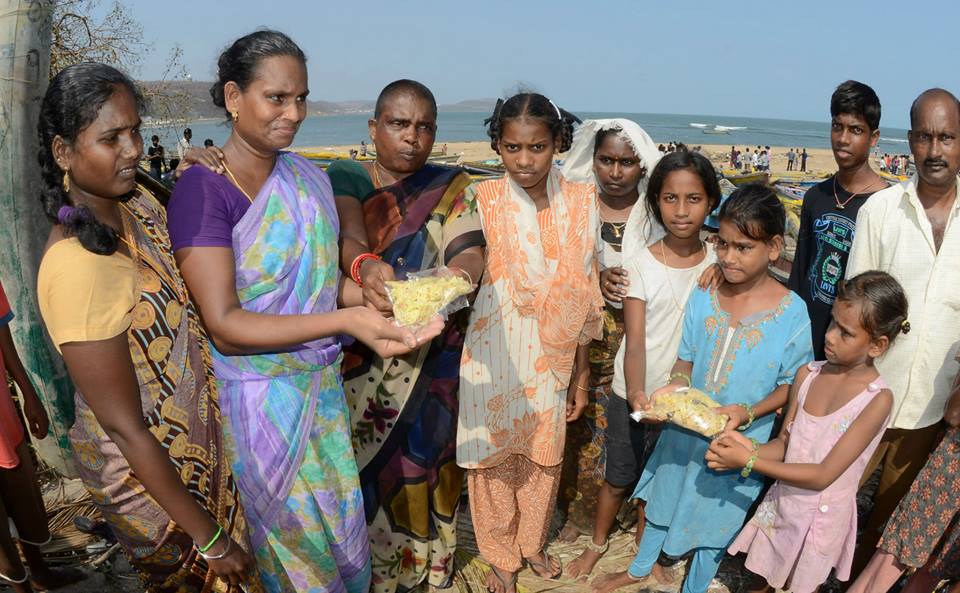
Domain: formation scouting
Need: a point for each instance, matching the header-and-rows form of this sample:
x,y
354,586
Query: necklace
x,y
617,228
377,182
140,257
666,269
841,205
235,182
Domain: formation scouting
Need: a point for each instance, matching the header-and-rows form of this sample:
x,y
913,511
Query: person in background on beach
x,y
208,143
21,503
755,160
257,248
443,149
526,357
363,148
733,157
184,145
836,415
401,214
662,149
147,429
746,159
156,157
742,344
683,190
924,531
617,155
803,161
911,230
828,216
790,157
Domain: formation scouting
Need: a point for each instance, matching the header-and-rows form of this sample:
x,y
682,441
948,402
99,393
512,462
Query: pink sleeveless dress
x,y
798,535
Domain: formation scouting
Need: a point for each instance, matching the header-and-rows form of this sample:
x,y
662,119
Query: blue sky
x,y
777,59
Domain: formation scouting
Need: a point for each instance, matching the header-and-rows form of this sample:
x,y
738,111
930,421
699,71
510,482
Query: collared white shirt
x,y
183,146
894,235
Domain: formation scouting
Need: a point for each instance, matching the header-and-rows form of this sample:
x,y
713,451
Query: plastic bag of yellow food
x,y
427,293
688,408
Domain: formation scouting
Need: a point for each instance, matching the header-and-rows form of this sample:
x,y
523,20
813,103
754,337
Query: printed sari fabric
x,y
404,409
171,359
287,432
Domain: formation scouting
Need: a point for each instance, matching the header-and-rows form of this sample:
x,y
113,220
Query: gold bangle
x,y
684,376
582,388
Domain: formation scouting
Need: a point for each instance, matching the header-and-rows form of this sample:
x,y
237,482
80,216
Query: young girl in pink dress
x,y
807,523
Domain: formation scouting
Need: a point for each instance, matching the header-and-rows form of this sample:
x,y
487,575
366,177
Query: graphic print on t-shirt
x,y
833,235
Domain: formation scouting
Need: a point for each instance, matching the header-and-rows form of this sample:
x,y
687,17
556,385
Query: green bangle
x,y
749,410
212,541
683,376
745,472
755,443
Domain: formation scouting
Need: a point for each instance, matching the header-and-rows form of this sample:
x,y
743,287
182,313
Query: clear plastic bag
x,y
688,408
427,293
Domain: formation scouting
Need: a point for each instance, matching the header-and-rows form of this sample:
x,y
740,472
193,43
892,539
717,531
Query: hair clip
x,y
905,326
67,214
559,115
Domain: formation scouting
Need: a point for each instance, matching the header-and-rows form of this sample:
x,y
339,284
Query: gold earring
x,y
66,181
235,115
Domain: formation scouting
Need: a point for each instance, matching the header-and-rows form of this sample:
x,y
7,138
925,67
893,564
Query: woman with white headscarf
x,y
617,155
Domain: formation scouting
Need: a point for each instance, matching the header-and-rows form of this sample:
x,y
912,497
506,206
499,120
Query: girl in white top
x,y
682,192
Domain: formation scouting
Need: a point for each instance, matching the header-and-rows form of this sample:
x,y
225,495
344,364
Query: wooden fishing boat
x,y
891,178
736,178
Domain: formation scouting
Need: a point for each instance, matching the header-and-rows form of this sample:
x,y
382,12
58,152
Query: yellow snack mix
x,y
417,300
692,409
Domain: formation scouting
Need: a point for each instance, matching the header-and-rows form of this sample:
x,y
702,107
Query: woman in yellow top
x,y
147,431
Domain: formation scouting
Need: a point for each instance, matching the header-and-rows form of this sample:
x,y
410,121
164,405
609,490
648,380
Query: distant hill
x,y
198,104
478,105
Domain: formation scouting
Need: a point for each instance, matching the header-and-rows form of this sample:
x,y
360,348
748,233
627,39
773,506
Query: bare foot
x,y
582,565
569,533
544,565
665,575
611,582
55,578
500,581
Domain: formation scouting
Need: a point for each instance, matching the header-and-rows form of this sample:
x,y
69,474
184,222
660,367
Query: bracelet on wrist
x,y
749,410
745,472
212,541
756,445
679,375
357,263
221,555
582,388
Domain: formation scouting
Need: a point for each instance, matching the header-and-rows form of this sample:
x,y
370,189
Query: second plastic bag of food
x,y
427,293
688,408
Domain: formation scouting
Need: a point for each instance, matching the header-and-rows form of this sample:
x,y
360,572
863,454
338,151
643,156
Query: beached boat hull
x,y
743,179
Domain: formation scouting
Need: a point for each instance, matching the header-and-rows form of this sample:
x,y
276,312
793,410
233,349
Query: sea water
x,y
340,130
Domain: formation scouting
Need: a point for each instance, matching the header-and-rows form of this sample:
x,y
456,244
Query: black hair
x,y
239,62
883,304
856,99
187,131
933,91
535,106
154,137
601,136
756,211
72,102
694,162
404,86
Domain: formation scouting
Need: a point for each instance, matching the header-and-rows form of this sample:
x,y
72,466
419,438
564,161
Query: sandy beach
x,y
820,161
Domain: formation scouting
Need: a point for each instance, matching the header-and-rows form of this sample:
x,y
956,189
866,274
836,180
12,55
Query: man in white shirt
x,y
184,144
911,231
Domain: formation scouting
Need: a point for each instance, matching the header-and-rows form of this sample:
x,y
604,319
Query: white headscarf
x,y
640,230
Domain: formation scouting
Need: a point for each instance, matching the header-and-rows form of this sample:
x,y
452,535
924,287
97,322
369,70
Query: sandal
x,y
541,568
507,583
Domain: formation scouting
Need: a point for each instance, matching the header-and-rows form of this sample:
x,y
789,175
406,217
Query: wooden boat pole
x,y
24,73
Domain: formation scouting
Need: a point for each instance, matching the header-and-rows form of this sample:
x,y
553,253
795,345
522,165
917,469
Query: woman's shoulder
x,y
68,265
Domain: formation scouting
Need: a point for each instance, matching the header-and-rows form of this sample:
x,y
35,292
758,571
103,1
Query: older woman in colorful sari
x,y
401,215
257,248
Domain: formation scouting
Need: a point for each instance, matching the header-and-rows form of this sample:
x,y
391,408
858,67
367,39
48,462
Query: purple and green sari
x,y
285,415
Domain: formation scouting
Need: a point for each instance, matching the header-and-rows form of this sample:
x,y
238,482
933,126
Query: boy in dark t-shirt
x,y
828,216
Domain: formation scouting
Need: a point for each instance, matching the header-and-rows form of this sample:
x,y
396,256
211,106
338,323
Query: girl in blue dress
x,y
742,344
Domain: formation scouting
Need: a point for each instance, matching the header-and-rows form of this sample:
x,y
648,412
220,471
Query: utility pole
x,y
25,30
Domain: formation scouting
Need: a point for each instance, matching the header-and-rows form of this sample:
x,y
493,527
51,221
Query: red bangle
x,y
357,262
